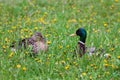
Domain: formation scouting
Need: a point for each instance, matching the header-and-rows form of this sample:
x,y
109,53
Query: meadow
x,y
56,20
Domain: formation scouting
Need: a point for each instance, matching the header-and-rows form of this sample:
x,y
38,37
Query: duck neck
x,y
82,39
82,48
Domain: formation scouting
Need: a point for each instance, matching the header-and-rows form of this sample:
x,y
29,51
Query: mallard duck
x,y
81,48
36,41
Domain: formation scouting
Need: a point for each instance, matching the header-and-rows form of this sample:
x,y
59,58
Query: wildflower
x,y
105,24
116,1
105,61
118,57
6,40
18,66
4,47
106,65
60,47
83,74
80,21
24,69
90,77
108,30
91,65
63,62
98,76
67,67
95,67
72,20
107,73
112,66
111,49
48,42
11,54
36,28
67,46
13,27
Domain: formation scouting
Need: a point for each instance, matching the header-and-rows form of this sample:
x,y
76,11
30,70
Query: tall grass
x,y
56,20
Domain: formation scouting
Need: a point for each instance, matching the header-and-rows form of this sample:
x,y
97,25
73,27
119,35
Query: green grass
x,y
56,20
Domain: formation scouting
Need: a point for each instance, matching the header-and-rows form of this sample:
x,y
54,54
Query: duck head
x,y
36,37
81,32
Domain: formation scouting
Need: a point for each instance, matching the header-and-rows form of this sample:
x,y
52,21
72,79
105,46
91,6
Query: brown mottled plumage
x,y
36,41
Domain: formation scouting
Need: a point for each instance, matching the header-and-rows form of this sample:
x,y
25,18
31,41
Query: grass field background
x,y
56,20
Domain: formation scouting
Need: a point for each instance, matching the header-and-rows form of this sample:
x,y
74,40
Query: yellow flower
x,y
83,74
90,77
60,47
48,42
113,66
18,66
36,28
116,1
63,62
95,67
106,65
111,49
6,39
107,73
24,69
80,21
3,46
105,61
67,67
91,65
67,46
11,54
105,24
118,57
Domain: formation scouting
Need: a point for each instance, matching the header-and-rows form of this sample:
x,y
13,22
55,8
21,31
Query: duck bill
x,y
73,34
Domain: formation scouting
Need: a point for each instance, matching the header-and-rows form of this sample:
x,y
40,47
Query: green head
x,y
82,33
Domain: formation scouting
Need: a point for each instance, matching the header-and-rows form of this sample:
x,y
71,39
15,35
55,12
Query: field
x,y
56,20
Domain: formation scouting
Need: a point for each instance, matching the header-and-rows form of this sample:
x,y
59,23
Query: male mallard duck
x,y
81,48
37,42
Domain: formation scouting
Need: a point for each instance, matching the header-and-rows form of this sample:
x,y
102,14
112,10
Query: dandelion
x,y
106,65
111,49
24,69
36,28
98,76
11,54
18,66
107,73
112,66
90,77
72,20
118,57
83,74
105,24
91,65
6,40
48,42
4,47
67,67
105,61
80,21
116,1
67,46
63,62
60,47
95,67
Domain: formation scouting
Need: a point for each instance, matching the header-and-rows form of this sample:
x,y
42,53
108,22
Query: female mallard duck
x,y
37,42
81,48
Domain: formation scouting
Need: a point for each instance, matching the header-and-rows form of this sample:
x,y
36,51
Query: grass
x,y
57,20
